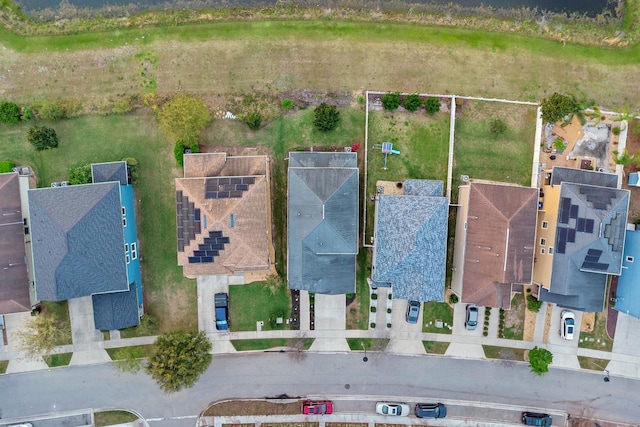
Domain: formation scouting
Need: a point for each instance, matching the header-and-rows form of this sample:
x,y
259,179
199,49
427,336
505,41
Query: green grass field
x,y
435,347
253,302
437,311
60,359
110,418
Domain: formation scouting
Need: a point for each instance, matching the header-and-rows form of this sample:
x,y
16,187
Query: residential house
x,y
627,294
322,227
410,236
580,237
84,243
14,280
495,240
223,214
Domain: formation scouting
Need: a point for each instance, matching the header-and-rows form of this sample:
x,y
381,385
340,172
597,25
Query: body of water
x,y
588,7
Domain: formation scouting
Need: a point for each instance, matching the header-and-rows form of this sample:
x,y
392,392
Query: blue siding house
x,y
628,293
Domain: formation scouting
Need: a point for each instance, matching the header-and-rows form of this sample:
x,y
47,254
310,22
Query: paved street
x,y
406,378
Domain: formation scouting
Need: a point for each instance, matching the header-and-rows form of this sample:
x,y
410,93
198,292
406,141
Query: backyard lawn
x,y
482,154
423,142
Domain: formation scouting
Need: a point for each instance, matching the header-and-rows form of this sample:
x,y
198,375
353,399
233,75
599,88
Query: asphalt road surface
x,y
422,378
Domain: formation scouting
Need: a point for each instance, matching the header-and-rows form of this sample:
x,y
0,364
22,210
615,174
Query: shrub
x,y
42,138
6,166
326,117
133,168
412,102
453,299
178,152
389,310
361,99
254,120
432,105
79,175
374,296
391,101
372,325
355,146
52,111
184,117
373,309
388,325
27,114
9,112
390,296
533,304
497,126
487,311
616,130
485,333
287,104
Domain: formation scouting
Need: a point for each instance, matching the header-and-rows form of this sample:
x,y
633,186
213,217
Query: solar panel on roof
x,y
574,211
215,234
562,235
589,226
571,236
242,187
223,181
194,260
595,252
248,180
211,195
207,259
229,187
223,194
580,224
196,214
236,181
591,258
561,247
594,266
235,194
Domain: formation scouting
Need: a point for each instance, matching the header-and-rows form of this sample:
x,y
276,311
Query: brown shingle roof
x,y
248,247
14,282
500,242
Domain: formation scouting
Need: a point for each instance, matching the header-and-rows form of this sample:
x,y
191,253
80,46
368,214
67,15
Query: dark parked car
x,y
536,419
472,317
413,311
221,301
430,410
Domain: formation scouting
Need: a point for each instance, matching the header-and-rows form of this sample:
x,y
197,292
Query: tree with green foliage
x,y
556,107
184,117
412,102
178,359
80,175
287,104
391,101
623,158
41,334
432,105
253,120
539,360
326,117
52,110
42,138
533,303
9,112
6,166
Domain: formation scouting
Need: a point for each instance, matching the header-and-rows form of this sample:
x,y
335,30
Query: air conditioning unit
x,y
464,178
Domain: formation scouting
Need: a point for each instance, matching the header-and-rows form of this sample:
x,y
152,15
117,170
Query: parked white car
x,y
391,408
567,324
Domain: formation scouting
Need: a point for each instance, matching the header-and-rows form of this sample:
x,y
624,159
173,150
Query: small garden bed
x,y
511,324
252,407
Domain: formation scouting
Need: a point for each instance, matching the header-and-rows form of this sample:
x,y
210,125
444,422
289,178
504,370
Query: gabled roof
x,y
411,241
14,282
116,310
628,292
77,241
222,217
500,242
107,172
322,222
589,240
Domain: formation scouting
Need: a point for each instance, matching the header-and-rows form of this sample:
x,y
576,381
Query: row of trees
x,y
391,101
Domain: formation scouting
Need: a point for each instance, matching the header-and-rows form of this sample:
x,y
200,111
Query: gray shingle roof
x,y
423,187
595,219
77,241
322,222
582,176
411,243
112,171
116,310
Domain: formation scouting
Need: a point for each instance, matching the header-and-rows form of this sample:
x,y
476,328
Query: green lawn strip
x,y
4,364
423,142
109,138
593,363
59,359
60,311
598,339
253,302
435,347
504,353
516,331
455,38
481,154
259,344
358,312
373,344
111,418
131,352
437,311
289,424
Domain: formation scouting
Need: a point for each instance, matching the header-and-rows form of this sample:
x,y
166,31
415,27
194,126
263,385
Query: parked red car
x,y
320,407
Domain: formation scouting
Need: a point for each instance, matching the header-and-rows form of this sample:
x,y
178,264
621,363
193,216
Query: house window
x,y
126,247
545,224
550,250
124,221
543,242
134,251
124,211
127,257
629,258
542,251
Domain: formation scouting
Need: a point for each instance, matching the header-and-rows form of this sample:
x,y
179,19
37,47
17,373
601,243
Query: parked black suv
x,y
536,419
430,410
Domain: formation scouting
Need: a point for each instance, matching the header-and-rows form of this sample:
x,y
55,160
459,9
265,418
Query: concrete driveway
x,y
459,317
208,286
406,337
554,330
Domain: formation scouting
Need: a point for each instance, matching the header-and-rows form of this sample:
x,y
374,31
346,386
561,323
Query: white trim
x,y
134,251
629,258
